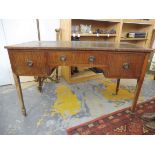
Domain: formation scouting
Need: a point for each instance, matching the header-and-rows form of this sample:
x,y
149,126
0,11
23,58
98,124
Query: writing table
x,y
117,60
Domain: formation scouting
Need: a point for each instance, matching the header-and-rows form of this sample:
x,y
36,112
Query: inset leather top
x,y
80,45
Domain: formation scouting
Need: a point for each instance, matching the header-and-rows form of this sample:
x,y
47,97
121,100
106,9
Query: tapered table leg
x,y
139,84
19,93
57,75
117,87
137,92
40,84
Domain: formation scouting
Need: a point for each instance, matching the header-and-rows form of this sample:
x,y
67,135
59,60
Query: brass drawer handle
x,y
29,63
63,58
91,59
125,66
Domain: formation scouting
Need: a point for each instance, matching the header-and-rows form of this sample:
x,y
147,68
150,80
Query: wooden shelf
x,y
95,35
134,39
138,21
102,20
84,75
108,20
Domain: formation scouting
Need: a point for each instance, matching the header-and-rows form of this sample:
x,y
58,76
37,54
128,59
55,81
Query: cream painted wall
x,y
21,30
47,29
17,31
5,69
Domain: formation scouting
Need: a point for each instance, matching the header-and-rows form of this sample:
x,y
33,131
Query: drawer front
x,y
28,62
125,65
91,58
58,58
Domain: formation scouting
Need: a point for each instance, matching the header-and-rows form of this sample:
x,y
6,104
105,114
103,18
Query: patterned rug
x,y
122,122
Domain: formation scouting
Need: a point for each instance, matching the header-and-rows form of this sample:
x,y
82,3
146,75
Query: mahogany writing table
x,y
117,60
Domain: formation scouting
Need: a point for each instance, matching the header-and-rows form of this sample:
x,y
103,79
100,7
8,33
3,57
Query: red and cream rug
x,y
122,122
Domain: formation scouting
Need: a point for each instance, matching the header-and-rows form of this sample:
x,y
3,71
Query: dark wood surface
x,y
80,45
118,61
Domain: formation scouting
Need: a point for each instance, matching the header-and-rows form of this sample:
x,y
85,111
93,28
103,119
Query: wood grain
x,y
19,63
140,82
115,61
19,93
44,61
79,46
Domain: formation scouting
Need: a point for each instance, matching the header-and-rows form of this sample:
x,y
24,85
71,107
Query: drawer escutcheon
x,y
63,58
91,59
29,63
125,66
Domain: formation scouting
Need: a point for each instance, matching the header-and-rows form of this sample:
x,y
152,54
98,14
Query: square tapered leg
x,y
19,93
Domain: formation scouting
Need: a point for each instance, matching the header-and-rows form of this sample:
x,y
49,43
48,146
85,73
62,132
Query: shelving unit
x,y
122,27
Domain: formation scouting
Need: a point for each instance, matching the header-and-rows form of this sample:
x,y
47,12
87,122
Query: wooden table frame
x,y
37,58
